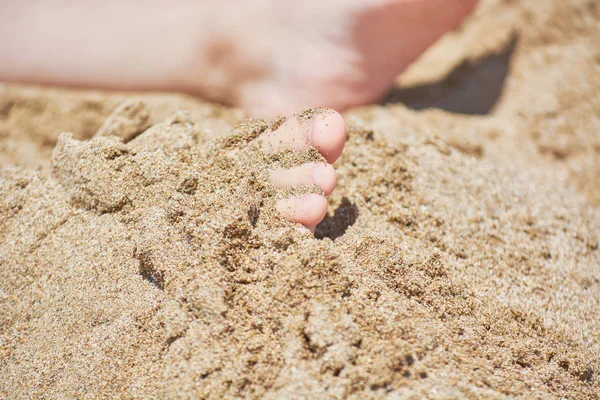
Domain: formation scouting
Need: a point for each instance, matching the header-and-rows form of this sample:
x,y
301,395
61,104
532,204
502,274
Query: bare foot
x,y
337,53
270,57
327,133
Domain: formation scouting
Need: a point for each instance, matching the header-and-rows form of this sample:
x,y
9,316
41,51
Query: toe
x,y
329,135
325,131
307,174
308,209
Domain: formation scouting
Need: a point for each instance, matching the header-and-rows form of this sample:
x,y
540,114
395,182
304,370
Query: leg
x,y
270,57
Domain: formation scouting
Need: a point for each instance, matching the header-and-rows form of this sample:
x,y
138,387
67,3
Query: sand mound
x,y
159,268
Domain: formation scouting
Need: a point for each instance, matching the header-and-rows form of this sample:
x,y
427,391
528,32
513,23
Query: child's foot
x,y
327,133
299,54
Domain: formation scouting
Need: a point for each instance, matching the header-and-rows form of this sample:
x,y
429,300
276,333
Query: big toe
x,y
326,131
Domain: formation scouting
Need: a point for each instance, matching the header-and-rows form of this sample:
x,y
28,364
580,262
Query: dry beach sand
x,y
140,256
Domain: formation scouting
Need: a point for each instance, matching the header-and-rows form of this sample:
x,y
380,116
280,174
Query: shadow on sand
x,y
334,226
474,87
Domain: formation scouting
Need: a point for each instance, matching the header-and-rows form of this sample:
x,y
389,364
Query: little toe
x,y
307,174
325,131
308,209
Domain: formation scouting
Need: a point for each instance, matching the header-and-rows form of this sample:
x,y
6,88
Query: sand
x,y
141,257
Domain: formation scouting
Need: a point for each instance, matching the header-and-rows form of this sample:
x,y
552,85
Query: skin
x,y
269,57
327,133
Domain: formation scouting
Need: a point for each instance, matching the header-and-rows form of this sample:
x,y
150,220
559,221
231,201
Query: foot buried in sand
x,y
325,131
276,170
